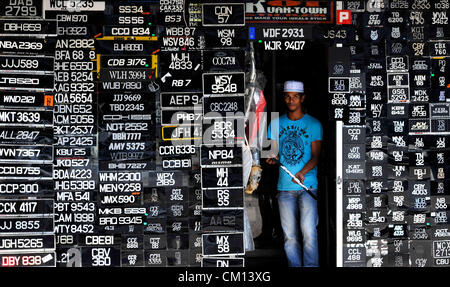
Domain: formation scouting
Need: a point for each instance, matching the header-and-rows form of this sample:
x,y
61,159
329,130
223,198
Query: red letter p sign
x,y
344,17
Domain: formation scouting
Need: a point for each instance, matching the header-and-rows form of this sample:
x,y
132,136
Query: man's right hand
x,y
271,160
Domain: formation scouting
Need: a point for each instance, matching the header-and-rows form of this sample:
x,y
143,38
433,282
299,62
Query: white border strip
x,y
339,194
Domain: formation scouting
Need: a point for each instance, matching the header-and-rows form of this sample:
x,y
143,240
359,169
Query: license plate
x,y
123,47
27,82
223,83
177,133
125,61
28,45
100,257
223,198
223,220
38,259
226,37
182,62
181,117
222,262
127,146
161,179
25,118
214,107
125,75
127,102
441,249
338,85
176,149
27,242
124,156
122,177
28,27
221,177
127,165
27,64
117,199
25,99
223,244
18,9
25,187
176,163
181,100
226,14
155,242
26,135
26,225
26,154
75,140
223,130
133,258
15,171
214,155
397,63
74,228
132,31
225,60
12,207
99,239
398,79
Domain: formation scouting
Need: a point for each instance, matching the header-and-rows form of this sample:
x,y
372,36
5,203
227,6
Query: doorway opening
x,y
311,67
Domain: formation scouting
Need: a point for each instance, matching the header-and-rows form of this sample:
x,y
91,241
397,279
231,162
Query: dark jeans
x,y
298,211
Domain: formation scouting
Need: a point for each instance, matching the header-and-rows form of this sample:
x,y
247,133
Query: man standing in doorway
x,y
297,137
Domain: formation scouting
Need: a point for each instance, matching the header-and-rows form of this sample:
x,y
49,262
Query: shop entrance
x,y
310,66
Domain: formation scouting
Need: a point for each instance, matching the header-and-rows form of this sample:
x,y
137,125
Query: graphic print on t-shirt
x,y
292,146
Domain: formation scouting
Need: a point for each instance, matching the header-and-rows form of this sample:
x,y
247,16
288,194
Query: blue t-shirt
x,y
294,146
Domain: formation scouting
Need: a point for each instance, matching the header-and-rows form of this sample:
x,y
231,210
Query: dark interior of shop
x,y
309,66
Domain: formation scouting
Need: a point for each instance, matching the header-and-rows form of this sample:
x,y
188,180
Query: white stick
x,y
293,176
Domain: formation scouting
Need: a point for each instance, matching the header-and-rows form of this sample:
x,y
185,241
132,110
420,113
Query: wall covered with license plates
x,y
122,128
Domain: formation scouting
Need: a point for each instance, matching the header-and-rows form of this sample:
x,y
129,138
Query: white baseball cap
x,y
293,86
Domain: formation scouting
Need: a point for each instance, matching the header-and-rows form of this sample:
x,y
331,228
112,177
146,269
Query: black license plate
x,y
181,100
222,262
220,130
222,177
26,225
223,220
27,82
26,187
100,257
25,99
225,60
26,135
28,45
25,118
223,198
223,244
181,117
214,107
26,63
28,154
12,207
177,133
12,171
215,155
28,27
226,14
27,242
223,83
